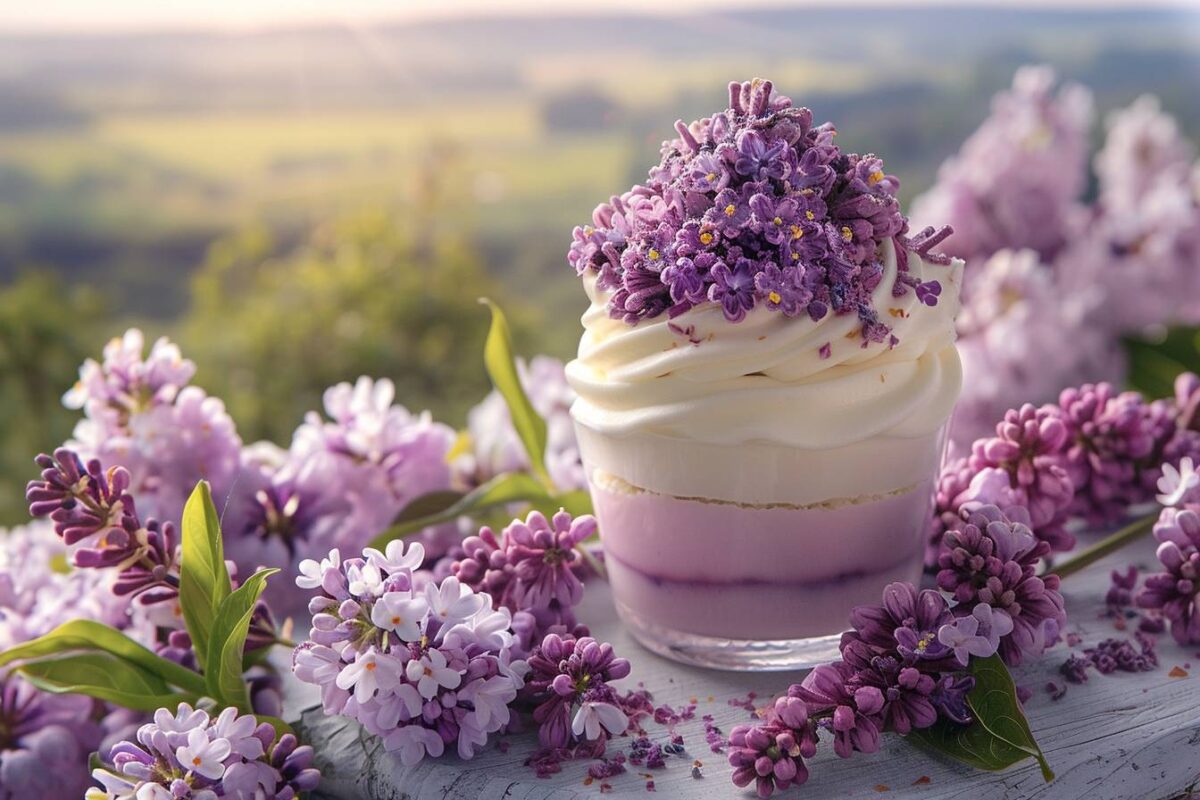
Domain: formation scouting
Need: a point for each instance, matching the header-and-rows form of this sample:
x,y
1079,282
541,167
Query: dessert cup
x,y
753,486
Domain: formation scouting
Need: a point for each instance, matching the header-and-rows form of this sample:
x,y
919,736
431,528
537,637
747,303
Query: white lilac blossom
x,y
186,754
383,457
424,670
1179,485
140,412
495,447
754,206
1142,146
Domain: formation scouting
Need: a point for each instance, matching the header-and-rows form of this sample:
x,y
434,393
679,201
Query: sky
x,y
104,16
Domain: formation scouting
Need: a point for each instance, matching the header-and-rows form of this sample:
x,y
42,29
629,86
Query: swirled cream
x,y
771,378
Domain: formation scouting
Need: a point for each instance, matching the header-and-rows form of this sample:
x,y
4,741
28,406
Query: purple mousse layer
x,y
757,573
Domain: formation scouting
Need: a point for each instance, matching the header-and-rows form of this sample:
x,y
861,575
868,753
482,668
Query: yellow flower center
x,y
730,209
797,231
811,216
395,620
875,177
706,238
847,234
795,256
371,666
654,254
710,177
196,761
774,297
777,221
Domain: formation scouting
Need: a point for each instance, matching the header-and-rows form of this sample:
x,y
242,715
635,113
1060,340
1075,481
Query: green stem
x,y
591,560
1110,544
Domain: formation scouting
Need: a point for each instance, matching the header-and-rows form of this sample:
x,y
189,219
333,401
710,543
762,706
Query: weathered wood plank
x,y
1114,738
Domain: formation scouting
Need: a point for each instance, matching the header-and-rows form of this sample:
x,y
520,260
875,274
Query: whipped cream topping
x,y
767,378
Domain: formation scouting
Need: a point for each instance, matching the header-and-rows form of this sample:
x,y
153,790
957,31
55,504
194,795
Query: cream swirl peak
x,y
802,382
756,207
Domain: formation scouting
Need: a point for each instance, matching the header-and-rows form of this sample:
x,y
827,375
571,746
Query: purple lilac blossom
x,y
186,753
495,447
1115,446
1176,590
420,669
532,568
1016,181
383,457
753,206
990,557
569,681
1029,448
770,754
141,413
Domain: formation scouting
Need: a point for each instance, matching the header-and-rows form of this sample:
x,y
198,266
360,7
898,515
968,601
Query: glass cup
x,y
751,556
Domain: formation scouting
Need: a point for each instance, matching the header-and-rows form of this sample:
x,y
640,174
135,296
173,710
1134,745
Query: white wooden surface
x,y
1117,737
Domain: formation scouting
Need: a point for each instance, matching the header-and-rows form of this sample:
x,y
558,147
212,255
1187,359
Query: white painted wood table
x,y
1117,737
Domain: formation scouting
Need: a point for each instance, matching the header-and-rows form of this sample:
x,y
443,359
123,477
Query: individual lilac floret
x,y
532,568
1114,444
188,754
1028,447
1176,590
770,754
140,412
421,669
383,457
991,558
1179,486
569,680
495,446
755,207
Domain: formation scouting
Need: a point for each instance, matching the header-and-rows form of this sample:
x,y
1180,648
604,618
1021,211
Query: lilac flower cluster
x,y
95,515
423,668
1049,276
532,568
1176,590
1091,455
903,663
754,207
188,754
45,738
141,413
568,680
341,483
495,447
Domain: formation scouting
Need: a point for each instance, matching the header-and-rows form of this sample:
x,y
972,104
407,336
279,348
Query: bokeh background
x,y
299,200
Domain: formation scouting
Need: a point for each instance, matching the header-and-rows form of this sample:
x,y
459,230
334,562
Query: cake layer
x,y
700,543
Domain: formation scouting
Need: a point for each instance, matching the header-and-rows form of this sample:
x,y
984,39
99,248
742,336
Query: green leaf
x,y
502,369
509,487
223,667
88,636
203,578
1000,735
104,677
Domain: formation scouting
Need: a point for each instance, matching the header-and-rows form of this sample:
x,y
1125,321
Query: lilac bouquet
x,y
189,754
421,666
754,206
1049,275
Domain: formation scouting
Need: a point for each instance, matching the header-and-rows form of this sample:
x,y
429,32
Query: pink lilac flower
x,y
853,715
754,207
976,634
569,681
383,457
141,413
1028,446
1115,443
1142,144
423,669
495,447
770,754
533,569
990,557
1175,591
1016,181
188,754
